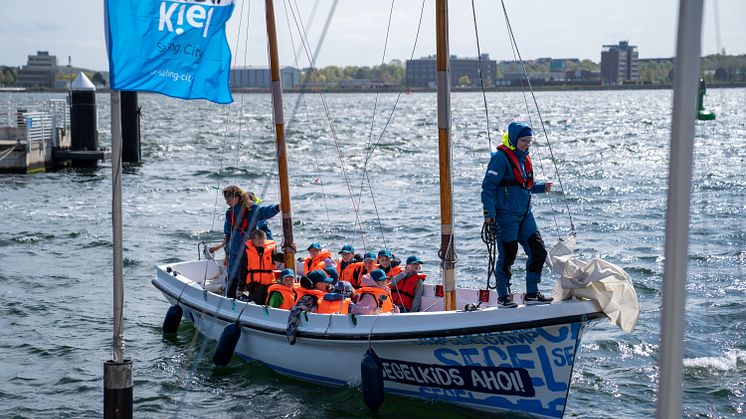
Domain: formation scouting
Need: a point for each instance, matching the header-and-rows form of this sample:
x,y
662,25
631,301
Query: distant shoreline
x,y
539,88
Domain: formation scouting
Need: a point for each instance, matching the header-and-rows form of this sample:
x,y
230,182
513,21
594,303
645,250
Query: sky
x,y
357,32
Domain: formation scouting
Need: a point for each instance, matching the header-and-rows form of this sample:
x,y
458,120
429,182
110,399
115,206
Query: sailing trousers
x,y
527,235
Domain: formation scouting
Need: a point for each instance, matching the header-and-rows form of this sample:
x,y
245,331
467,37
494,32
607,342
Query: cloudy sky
x,y
543,28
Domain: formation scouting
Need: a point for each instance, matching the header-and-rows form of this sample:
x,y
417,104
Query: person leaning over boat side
x,y
257,266
242,217
318,258
388,263
407,287
506,199
374,297
369,264
348,267
282,294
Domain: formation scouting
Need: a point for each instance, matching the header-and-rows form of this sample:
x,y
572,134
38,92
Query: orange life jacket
x,y
526,183
392,272
305,291
244,223
359,280
403,292
288,295
317,262
260,270
385,305
334,306
349,273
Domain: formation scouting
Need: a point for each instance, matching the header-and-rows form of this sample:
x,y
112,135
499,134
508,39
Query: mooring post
x,y
84,132
130,128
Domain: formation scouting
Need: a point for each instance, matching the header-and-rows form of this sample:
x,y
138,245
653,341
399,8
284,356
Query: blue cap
x,y
314,245
385,252
518,130
287,272
318,276
378,275
413,259
332,272
369,255
347,248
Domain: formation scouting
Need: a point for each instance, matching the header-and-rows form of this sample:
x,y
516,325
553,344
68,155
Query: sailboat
x,y
481,357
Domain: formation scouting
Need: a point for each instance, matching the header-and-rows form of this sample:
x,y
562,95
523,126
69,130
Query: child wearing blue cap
x,y
406,288
282,294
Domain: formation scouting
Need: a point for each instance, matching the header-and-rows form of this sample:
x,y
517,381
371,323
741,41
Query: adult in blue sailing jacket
x,y
506,198
241,219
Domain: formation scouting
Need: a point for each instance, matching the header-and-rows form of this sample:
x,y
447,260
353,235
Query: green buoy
x,y
702,114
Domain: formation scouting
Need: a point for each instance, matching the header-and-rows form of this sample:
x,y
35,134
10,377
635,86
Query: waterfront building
x,y
422,72
261,78
620,64
39,71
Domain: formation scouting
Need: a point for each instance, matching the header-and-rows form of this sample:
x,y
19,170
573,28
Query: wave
x,y
732,361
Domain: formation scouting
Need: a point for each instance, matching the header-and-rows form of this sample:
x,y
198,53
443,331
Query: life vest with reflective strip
x,y
350,272
403,292
341,306
384,304
260,270
317,262
525,183
288,295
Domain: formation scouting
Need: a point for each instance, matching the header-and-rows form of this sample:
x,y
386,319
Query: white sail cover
x,y
603,282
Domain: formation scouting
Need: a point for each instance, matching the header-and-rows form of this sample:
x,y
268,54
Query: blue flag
x,y
174,47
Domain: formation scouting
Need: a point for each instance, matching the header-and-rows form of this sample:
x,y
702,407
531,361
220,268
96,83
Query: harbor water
x,y
611,155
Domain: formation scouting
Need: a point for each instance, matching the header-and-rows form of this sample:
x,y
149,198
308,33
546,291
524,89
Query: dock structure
x,y
29,137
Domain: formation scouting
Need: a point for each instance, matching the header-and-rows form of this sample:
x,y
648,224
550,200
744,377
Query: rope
x,y
481,79
514,44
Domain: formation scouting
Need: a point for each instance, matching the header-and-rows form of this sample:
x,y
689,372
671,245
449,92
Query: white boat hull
x,y
491,359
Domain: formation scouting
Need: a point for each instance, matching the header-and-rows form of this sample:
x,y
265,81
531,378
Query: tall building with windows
x,y
620,63
423,72
39,71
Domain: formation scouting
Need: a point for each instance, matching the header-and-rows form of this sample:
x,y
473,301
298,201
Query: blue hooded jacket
x,y
507,203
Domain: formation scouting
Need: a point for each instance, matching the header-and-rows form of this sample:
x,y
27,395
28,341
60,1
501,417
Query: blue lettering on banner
x,y
174,47
490,380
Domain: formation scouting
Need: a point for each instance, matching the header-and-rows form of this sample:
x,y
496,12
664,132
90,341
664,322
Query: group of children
x,y
355,284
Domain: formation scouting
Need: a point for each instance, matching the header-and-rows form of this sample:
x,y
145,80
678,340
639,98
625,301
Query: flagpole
x,y
447,251
117,371
280,146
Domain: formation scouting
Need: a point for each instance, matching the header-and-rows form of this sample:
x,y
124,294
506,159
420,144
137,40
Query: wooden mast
x,y
280,146
447,251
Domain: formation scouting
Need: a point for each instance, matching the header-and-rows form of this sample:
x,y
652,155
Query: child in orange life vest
x,y
374,296
386,263
348,267
282,294
313,286
369,264
318,258
257,264
406,288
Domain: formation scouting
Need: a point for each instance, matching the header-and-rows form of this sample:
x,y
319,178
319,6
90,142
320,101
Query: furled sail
x,y
603,282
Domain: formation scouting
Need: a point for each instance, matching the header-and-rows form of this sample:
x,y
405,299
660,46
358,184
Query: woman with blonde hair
x,y
241,219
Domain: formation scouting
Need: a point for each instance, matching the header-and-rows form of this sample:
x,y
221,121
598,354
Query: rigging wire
x,y
370,132
481,78
391,114
305,106
325,106
514,44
